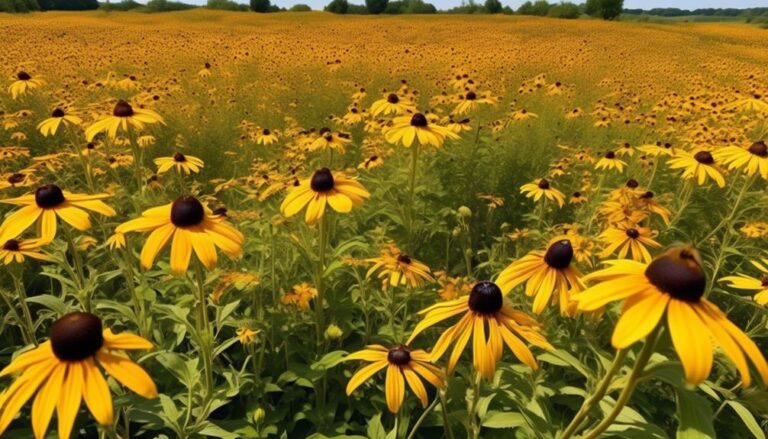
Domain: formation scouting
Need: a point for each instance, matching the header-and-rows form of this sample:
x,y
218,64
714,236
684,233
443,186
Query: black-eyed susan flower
x,y
471,99
189,226
398,268
47,203
50,126
403,365
183,163
301,295
752,160
406,129
673,284
697,166
542,188
324,187
246,335
330,140
546,273
628,239
123,117
748,283
65,371
14,250
24,82
610,160
391,104
490,323
266,136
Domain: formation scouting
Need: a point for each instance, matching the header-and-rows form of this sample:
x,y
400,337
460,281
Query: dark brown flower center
x,y
23,76
633,233
49,196
404,258
419,120
471,96
559,255
704,157
759,149
392,98
543,184
179,157
58,112
16,178
485,298
122,109
399,356
322,180
632,183
679,274
11,245
76,336
764,281
187,211
265,132
610,155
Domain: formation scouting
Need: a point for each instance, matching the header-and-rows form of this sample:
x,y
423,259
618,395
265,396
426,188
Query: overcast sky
x,y
645,4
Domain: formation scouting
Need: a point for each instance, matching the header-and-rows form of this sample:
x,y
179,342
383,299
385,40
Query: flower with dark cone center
x,y
471,96
759,149
399,356
543,184
485,298
91,145
704,157
265,132
220,211
633,233
559,255
632,183
122,109
48,196
58,112
392,98
207,65
11,245
324,130
187,211
764,281
404,258
610,155
23,76
577,194
679,274
648,195
76,336
179,157
322,180
419,120
16,178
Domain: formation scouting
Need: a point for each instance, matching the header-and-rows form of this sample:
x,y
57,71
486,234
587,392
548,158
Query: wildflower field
x,y
305,225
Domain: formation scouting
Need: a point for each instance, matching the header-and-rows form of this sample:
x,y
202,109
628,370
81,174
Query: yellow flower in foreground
x,y
752,160
397,268
340,192
192,227
406,129
183,163
13,250
673,283
50,126
542,188
699,166
490,323
403,365
123,116
744,282
64,370
48,202
545,272
23,83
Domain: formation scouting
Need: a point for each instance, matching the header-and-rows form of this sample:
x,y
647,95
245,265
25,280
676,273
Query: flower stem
x,y
597,396
444,409
28,323
412,190
474,420
79,273
634,377
421,419
319,285
204,330
24,331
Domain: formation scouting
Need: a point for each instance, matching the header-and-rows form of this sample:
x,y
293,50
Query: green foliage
x,y
605,9
337,7
226,5
493,6
68,5
261,5
125,5
22,6
539,8
564,10
357,9
301,7
376,6
166,6
410,7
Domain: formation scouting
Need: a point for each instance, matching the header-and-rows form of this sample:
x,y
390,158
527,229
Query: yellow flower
x,y
406,129
117,240
610,161
266,137
183,163
752,160
23,83
64,371
189,226
744,282
47,203
629,238
391,104
13,250
672,284
397,268
403,365
329,139
699,166
301,295
246,335
49,126
338,191
542,188
123,117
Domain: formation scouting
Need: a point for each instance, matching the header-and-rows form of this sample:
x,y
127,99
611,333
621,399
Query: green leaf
x,y
494,419
329,360
375,429
748,419
694,415
53,303
562,358
213,430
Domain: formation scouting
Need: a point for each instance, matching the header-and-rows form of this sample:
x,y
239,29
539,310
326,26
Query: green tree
x,y
605,9
564,10
376,6
301,7
493,6
260,5
337,6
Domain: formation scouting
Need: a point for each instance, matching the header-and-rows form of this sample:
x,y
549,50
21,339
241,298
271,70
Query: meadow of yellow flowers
x,y
304,225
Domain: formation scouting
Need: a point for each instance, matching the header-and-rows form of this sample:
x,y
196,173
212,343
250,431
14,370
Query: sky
x,y
643,4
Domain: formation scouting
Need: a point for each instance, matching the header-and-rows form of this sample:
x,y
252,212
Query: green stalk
x,y
204,330
412,189
320,271
474,421
20,291
634,377
24,331
444,409
597,396
421,419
